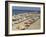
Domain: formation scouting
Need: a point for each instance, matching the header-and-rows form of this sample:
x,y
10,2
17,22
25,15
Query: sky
x,y
18,9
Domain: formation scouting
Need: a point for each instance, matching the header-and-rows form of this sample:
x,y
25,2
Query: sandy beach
x,y
22,26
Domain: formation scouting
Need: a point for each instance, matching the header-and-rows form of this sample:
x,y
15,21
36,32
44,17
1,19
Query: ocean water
x,y
18,10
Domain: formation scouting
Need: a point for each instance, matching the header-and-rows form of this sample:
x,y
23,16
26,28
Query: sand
x,y
19,26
